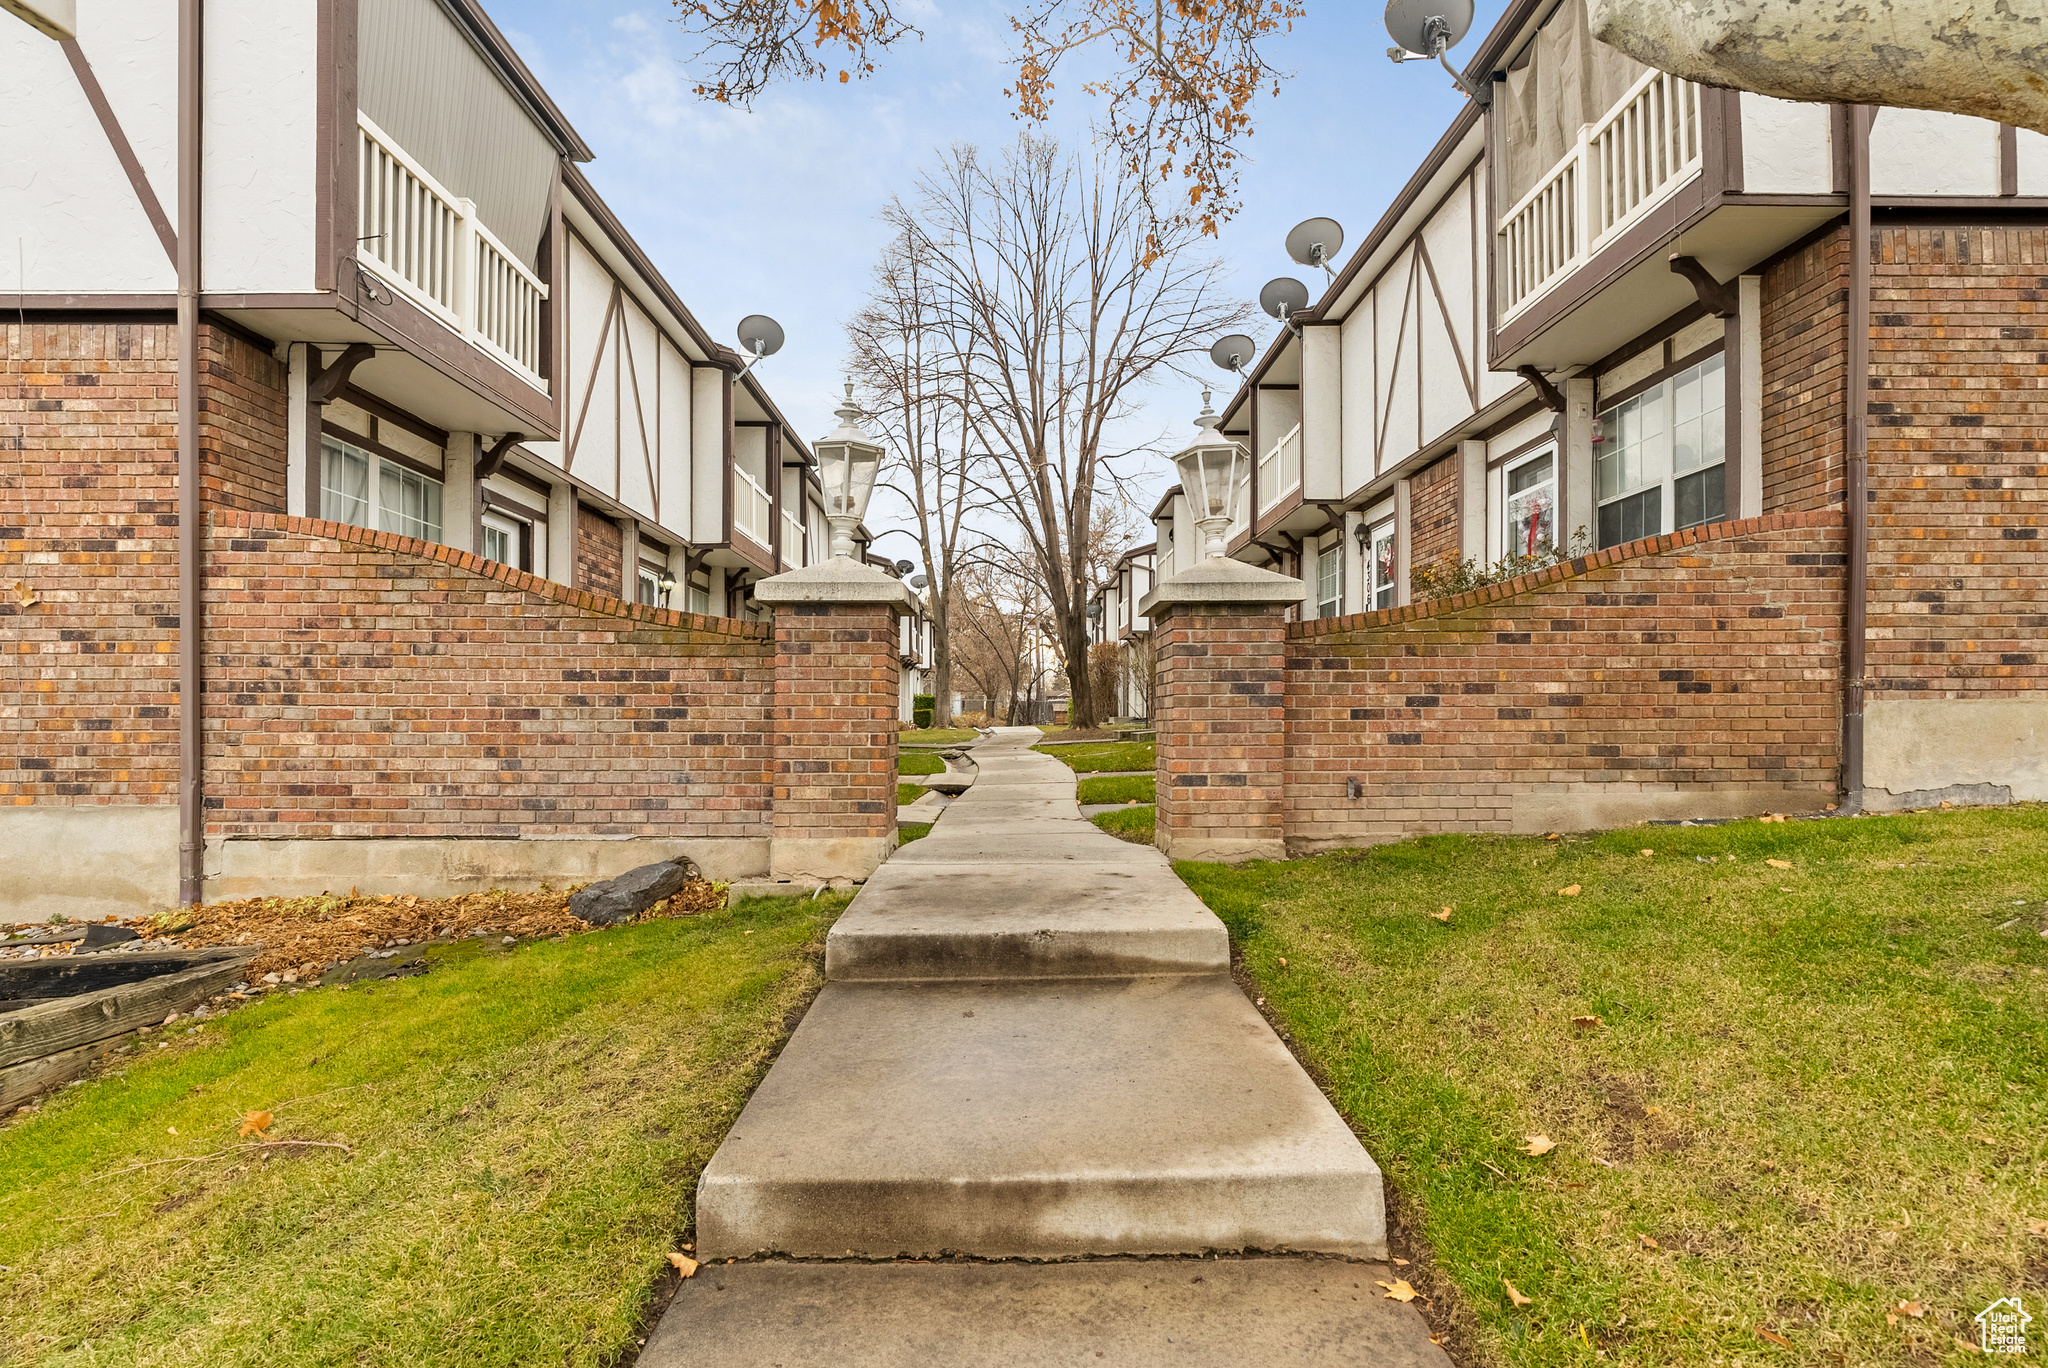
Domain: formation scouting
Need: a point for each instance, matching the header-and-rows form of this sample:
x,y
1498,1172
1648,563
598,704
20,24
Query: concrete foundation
x,y
826,860
87,862
1920,752
1602,807
431,868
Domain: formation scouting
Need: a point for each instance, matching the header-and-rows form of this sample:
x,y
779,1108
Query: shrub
x,y
1447,575
921,709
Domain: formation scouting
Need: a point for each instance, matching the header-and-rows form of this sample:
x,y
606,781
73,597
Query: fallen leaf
x,y
1551,836
2037,1227
1283,964
1966,1346
1773,1337
1648,1243
1442,916
1779,864
1398,1263
685,1265
255,1123
1398,1290
1514,1295
25,596
1910,1308
1587,1023
170,1130
1571,892
1539,1144
1653,1111
1648,853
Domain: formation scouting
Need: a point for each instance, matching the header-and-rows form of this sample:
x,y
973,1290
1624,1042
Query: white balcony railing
x,y
793,540
751,507
1622,166
430,246
1280,469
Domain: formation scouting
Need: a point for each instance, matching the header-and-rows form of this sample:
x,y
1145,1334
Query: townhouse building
x,y
340,401
1615,318
1114,619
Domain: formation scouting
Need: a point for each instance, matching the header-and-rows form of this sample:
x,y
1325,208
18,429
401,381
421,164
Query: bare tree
x,y
907,358
991,622
1072,303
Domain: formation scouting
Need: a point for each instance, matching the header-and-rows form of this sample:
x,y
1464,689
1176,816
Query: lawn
x,y
1794,1074
912,763
524,1129
1112,755
1122,788
1133,824
906,832
908,793
937,736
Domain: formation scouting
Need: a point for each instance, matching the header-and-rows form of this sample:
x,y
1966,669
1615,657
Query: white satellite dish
x,y
760,336
1283,298
1233,353
1316,242
1424,30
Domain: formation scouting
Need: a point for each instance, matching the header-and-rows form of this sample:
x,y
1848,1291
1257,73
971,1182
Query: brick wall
x,y
88,679
1707,660
365,684
1219,710
245,392
835,705
1805,339
1433,513
599,546
1958,566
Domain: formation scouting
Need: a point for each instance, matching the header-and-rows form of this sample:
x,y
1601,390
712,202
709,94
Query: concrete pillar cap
x,y
841,579
1222,583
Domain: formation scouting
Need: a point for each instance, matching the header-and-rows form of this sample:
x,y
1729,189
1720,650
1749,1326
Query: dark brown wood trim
x,y
491,499
1838,146
726,455
335,188
771,462
1432,163
622,241
429,340
2020,208
1603,402
238,329
384,411
604,331
1732,453
1731,138
1465,373
138,179
2008,160
356,439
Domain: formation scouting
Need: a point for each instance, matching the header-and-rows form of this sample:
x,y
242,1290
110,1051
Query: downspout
x,y
191,685
1857,494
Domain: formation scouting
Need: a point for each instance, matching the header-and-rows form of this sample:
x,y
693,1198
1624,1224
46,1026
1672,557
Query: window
x,y
1663,465
1330,575
1382,587
508,540
369,490
649,590
700,593
1531,505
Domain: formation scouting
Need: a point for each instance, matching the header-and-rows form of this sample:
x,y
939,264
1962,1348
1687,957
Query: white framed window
x,y
1529,504
700,593
508,540
1330,575
1662,465
1382,566
648,587
368,490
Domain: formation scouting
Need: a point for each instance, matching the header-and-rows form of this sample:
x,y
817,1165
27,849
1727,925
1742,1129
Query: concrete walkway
x,y
1029,1047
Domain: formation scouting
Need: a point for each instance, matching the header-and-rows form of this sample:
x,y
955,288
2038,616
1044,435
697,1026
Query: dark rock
x,y
626,897
98,935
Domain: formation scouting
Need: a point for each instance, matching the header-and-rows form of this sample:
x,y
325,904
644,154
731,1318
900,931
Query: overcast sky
x,y
774,210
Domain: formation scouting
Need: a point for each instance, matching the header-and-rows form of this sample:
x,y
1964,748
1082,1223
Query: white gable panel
x,y
1926,152
1399,354
1359,414
260,114
1448,239
673,403
639,362
590,297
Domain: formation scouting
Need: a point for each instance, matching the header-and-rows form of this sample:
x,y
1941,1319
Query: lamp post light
x,y
848,460
1209,471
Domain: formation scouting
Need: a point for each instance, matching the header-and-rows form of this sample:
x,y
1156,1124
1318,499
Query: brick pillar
x,y
1220,633
833,719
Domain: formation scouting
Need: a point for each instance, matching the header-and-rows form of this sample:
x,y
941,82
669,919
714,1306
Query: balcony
x,y
429,245
1280,470
793,540
752,509
1622,166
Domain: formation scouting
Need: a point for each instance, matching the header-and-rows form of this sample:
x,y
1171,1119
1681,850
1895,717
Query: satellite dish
x,y
760,335
1283,298
1233,353
904,567
1316,242
918,581
1428,27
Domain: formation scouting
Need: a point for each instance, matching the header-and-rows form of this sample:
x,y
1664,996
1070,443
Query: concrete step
x,y
982,920
1129,1313
1042,1119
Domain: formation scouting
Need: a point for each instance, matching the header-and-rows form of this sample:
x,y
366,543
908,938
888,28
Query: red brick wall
x,y
1433,513
1958,565
599,546
365,684
88,678
1218,706
834,715
242,428
1709,662
1805,353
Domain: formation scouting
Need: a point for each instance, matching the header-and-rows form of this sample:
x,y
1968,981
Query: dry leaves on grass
x,y
1572,891
1773,1336
1587,1023
1515,1295
255,1123
685,1265
1442,916
1398,1290
1779,864
1905,1308
1539,1144
305,935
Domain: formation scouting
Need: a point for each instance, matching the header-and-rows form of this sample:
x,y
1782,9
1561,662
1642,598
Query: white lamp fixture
x,y
1209,470
847,462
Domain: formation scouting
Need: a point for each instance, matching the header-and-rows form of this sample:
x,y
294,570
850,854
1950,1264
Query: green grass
x,y
1121,789
1820,1090
526,1129
1107,755
1132,824
911,763
937,735
906,832
908,793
